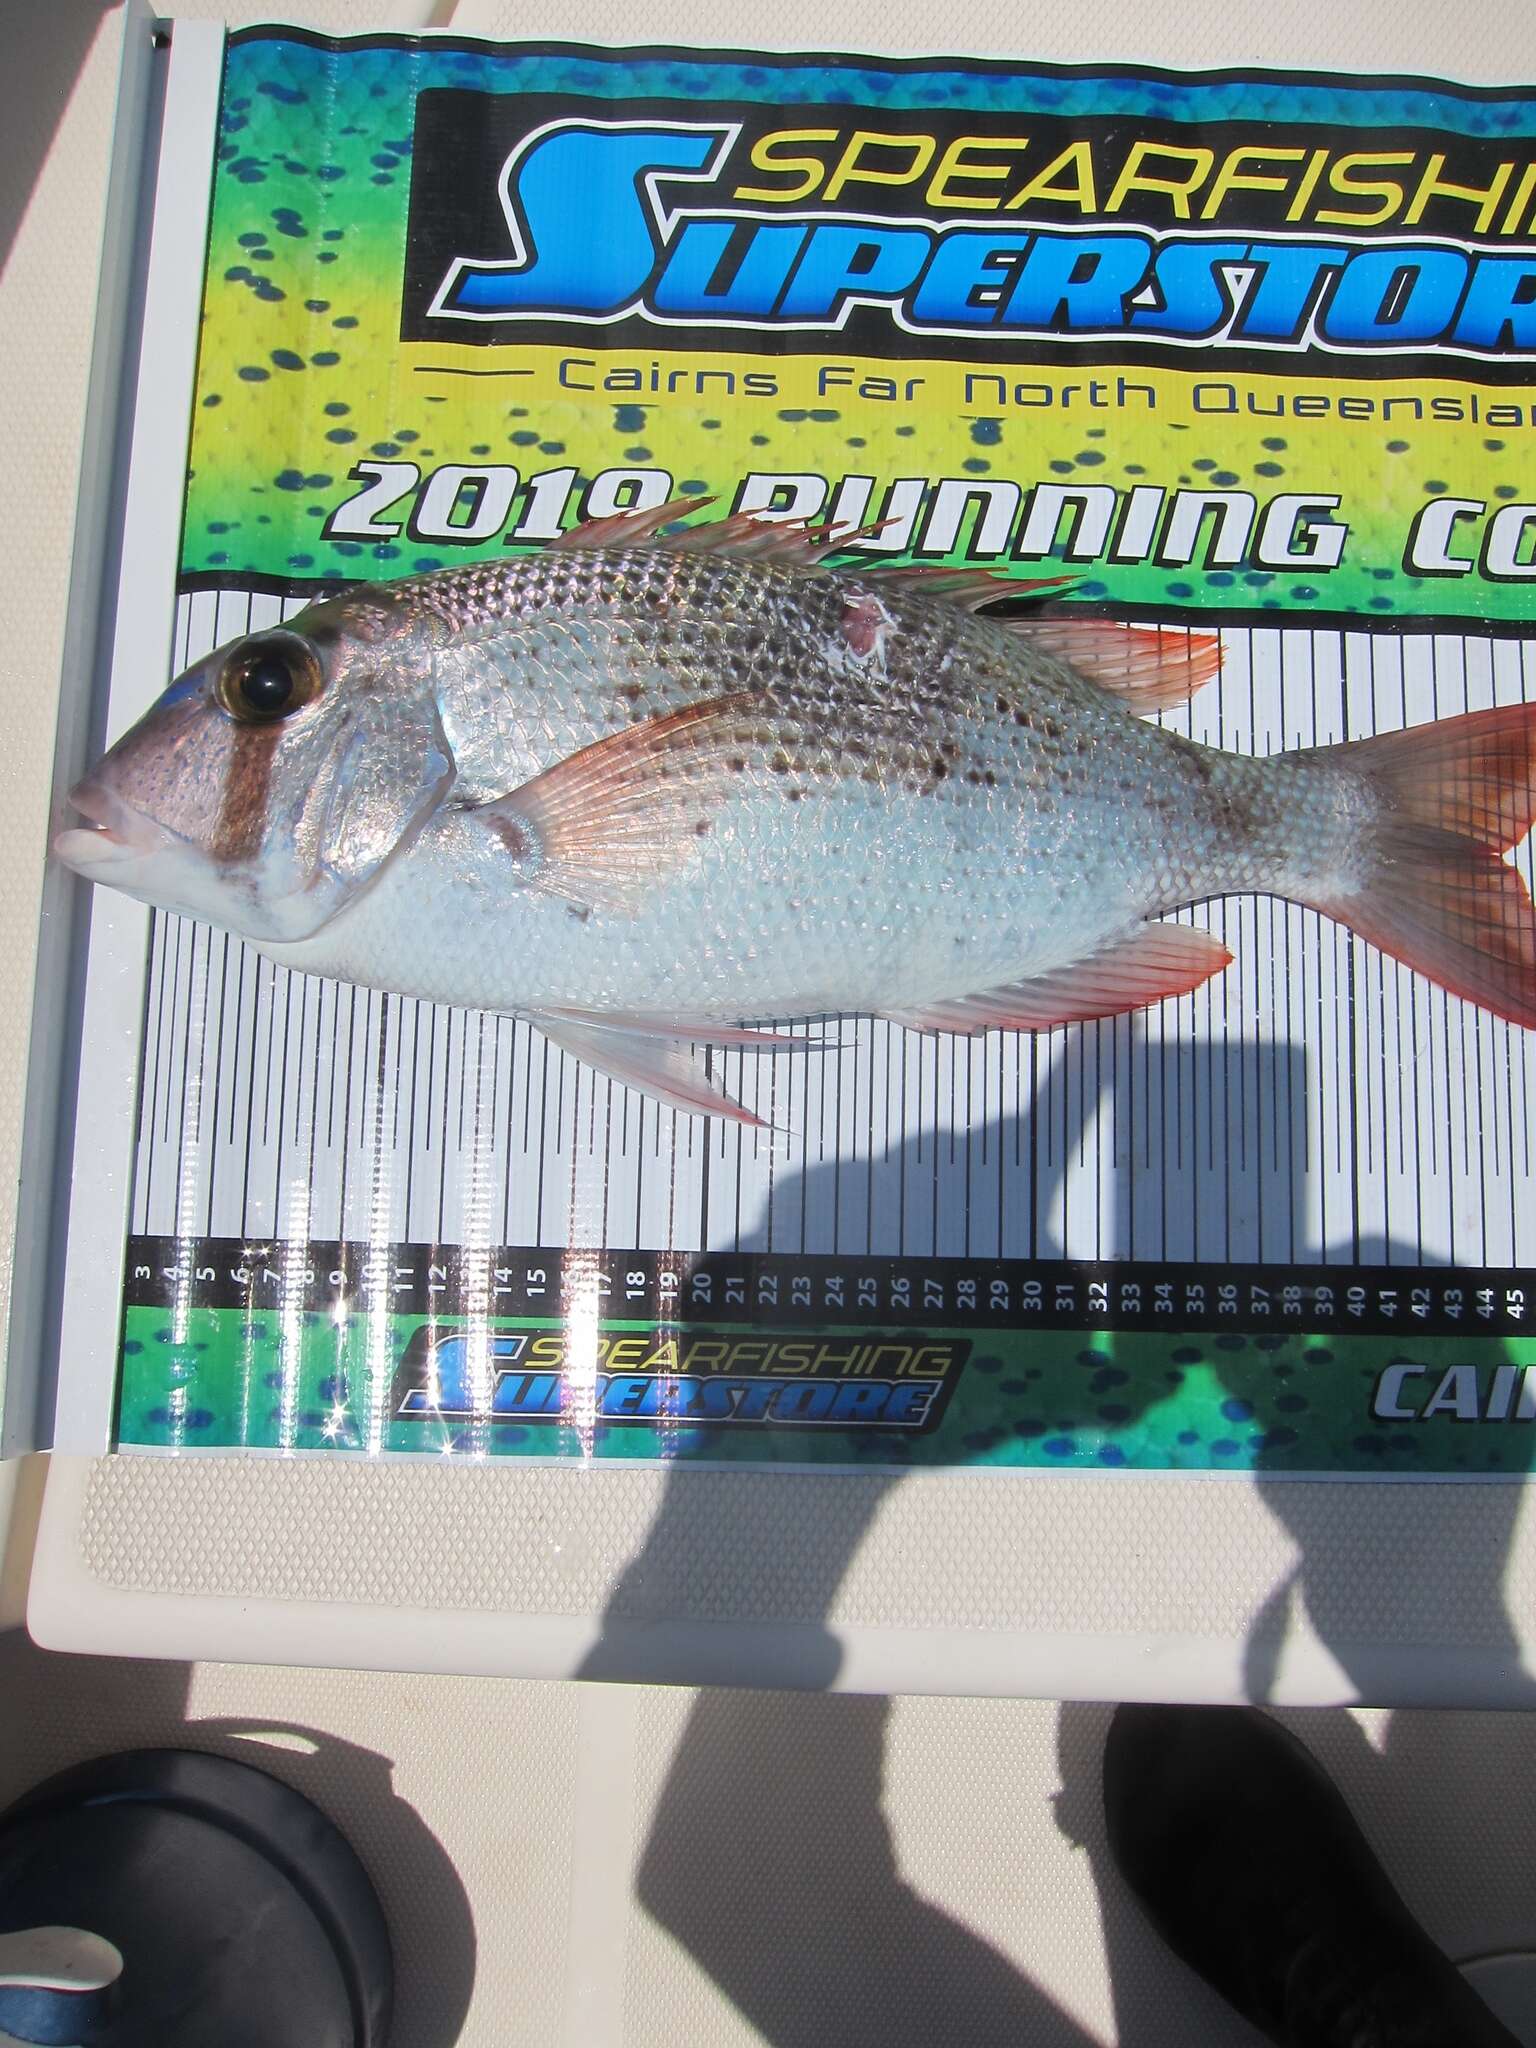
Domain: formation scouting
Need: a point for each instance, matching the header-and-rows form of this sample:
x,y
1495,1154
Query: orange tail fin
x,y
1454,797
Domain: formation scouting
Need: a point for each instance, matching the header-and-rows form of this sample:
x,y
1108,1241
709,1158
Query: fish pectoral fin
x,y
663,1067
608,823
1149,668
1158,961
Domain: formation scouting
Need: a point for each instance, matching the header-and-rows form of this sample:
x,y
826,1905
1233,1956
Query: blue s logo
x,y
585,217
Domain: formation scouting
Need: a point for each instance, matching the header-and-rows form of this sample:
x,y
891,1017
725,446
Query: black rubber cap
x,y
244,1918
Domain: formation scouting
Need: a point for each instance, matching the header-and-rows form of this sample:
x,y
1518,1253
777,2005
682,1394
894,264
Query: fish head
x,y
274,780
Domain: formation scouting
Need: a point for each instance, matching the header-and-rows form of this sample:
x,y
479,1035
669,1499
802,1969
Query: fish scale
x,y
648,790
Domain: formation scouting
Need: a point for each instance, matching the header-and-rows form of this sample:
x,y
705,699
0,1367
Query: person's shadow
x,y
771,1862
778,1798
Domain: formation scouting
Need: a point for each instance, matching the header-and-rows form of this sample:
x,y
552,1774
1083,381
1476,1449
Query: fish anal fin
x,y
1158,961
610,822
659,1065
1149,668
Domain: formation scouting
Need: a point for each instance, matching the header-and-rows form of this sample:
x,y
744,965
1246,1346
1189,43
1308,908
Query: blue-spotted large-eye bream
x,y
655,791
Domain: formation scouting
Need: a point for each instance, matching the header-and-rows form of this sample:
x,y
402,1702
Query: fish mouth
x,y
114,831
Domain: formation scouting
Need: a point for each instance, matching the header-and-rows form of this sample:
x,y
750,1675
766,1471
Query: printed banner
x,y
1253,345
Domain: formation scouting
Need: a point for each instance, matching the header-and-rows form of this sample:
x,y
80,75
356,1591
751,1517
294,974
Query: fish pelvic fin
x,y
1158,961
660,1065
705,1031
1433,890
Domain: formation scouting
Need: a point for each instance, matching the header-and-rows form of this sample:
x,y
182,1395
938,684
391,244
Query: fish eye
x,y
269,677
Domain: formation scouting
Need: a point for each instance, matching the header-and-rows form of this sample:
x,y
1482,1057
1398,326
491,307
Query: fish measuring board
x,y
1316,1103
1308,1164
1280,1224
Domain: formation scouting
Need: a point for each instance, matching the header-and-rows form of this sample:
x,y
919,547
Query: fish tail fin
x,y
1450,799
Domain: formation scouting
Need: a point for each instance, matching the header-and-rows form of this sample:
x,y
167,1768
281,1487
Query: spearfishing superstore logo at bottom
x,y
708,1378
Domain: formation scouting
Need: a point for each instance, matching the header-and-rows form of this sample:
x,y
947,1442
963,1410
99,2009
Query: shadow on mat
x,y
769,1857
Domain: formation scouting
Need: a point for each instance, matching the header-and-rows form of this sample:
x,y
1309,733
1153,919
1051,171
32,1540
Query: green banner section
x,y
527,1387
1210,350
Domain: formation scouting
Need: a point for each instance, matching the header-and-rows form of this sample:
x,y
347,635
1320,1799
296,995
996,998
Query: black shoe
x,y
1255,1873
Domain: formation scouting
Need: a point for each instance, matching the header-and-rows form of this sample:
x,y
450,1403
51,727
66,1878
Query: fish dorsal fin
x,y
1158,961
1149,668
635,529
605,826
745,536
801,544
792,543
969,590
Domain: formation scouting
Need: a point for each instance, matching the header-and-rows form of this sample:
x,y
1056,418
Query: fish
x,y
660,788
